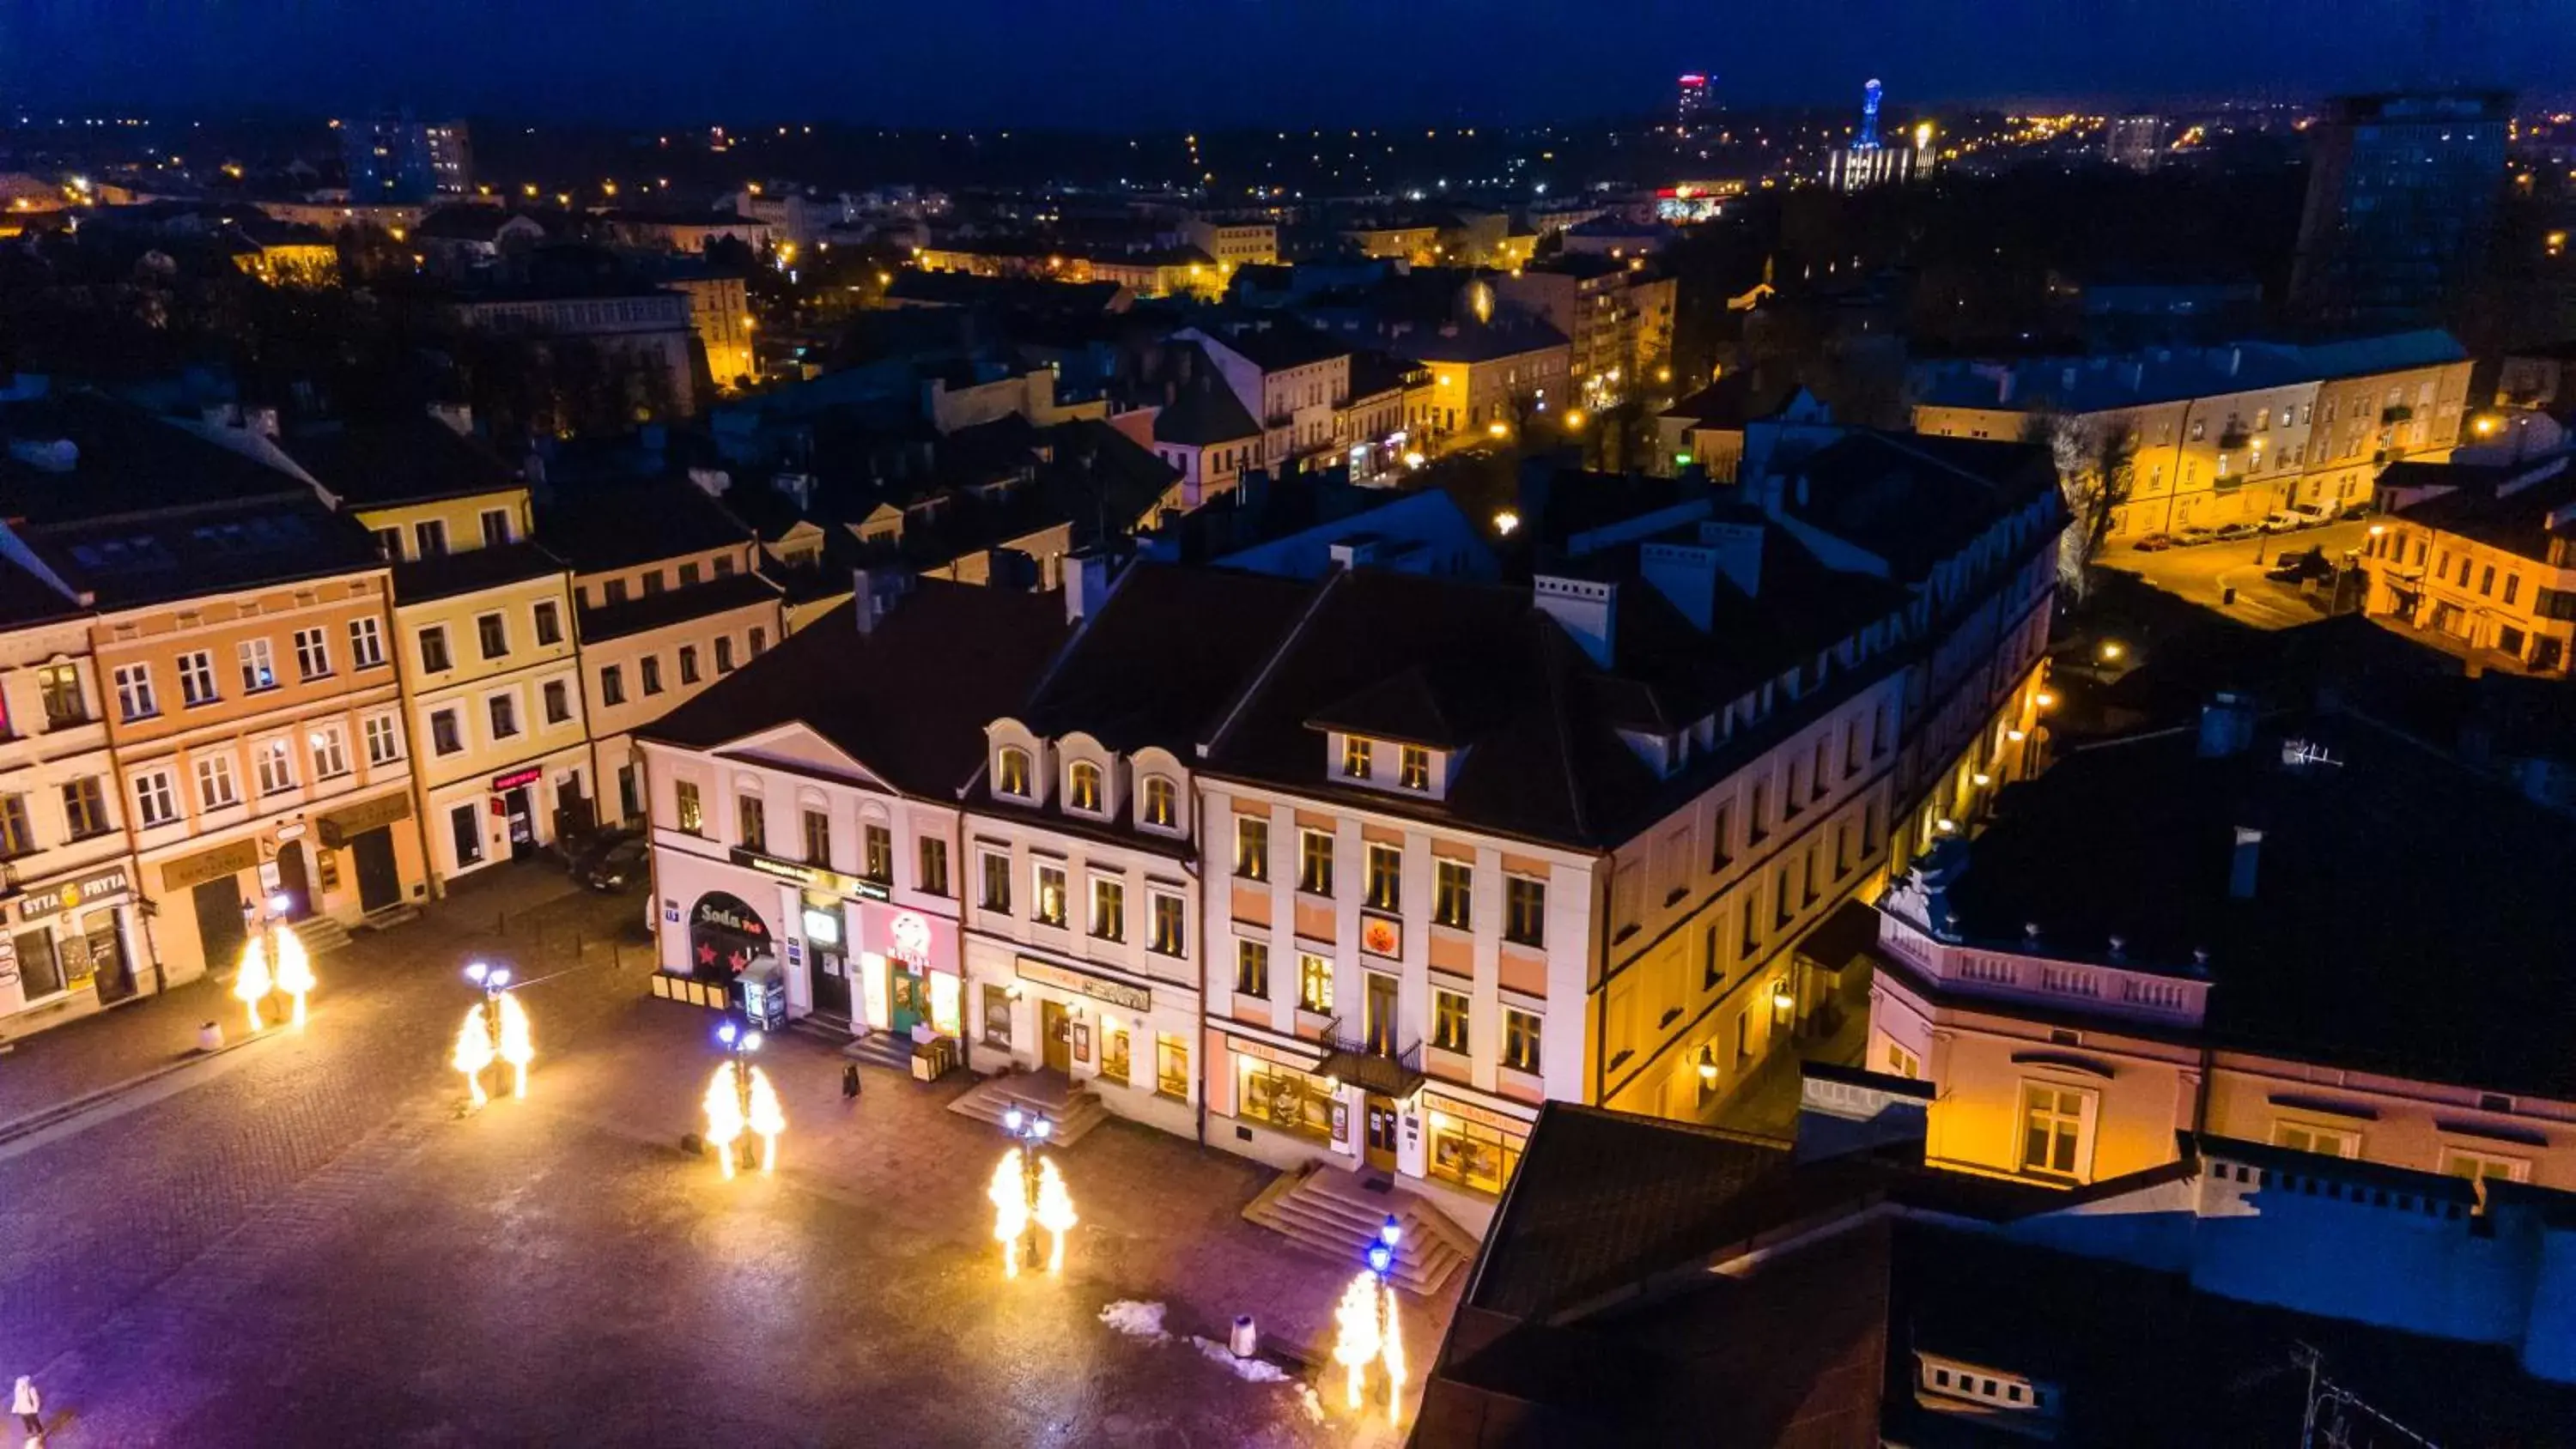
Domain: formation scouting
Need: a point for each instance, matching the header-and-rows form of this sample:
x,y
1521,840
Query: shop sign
x,y
725,936
71,895
349,822
908,936
1098,988
189,872
823,928
812,877
516,778
1381,937
290,832
1482,1117
1276,1056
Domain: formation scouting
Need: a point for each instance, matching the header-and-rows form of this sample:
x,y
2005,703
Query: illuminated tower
x,y
1869,95
1692,109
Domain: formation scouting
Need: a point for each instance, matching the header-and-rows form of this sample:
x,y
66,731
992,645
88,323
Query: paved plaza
x,y
301,1241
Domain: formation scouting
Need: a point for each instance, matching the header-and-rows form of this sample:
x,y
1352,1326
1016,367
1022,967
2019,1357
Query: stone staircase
x,y
321,935
1336,1213
1074,1110
389,917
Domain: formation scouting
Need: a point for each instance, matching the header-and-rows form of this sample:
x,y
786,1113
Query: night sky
x,y
1120,63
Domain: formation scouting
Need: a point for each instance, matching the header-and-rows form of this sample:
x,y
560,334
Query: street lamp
x,y
495,1029
273,959
1028,1195
1366,1329
739,1099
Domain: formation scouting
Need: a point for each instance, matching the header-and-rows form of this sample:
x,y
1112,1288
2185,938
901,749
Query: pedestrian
x,y
29,1406
850,1082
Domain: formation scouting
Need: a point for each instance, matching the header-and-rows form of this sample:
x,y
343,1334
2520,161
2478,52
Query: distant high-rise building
x,y
396,158
2401,192
1694,104
1867,162
2136,142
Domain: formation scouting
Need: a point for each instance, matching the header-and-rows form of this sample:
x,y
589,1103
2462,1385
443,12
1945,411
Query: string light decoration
x,y
473,1052
1054,1212
725,1121
1010,1209
294,969
518,1046
1366,1326
1028,1195
765,1118
253,984
1355,1338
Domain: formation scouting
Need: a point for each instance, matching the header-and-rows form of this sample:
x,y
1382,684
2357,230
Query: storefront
x,y
69,943
369,838
1128,1039
511,815
1471,1148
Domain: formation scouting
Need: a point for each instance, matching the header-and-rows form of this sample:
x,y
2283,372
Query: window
x,y
688,664
688,573
751,823
134,692
1162,807
1114,1056
690,812
1315,862
934,865
429,538
1903,1063
549,623
1472,1155
1355,757
1165,936
1050,893
17,835
275,761
197,678
650,667
1314,983
1283,1098
1414,768
652,582
613,591
312,653
1720,830
876,853
1453,894
2325,1141
818,838
446,737
465,827
433,649
492,634
1756,819
1252,968
2056,1129
1525,910
759,640
2486,579
84,807
558,701
389,543
2512,586
724,656
2478,1166
1251,847
724,566
504,709
496,527
384,740
1520,1040
1385,877
1011,773
997,882
258,670
330,746
215,787
366,643
612,685
1171,1066
152,802
1108,909
1082,787
61,686
1448,1020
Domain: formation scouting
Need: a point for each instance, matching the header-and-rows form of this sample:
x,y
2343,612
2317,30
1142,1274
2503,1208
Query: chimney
x,y
1356,551
713,480
2226,726
1739,553
457,417
873,593
2241,867
1844,1110
1587,610
1086,584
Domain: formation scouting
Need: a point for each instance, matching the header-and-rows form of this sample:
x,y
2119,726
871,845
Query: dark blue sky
x,y
1215,62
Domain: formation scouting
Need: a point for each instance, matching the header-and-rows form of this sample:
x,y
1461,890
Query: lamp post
x,y
1366,1326
495,1029
1028,1195
739,1099
273,959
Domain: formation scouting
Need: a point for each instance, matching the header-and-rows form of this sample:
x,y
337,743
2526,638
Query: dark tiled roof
x,y
1914,499
122,461
1472,344
613,525
964,289
866,693
412,460
129,561
447,575
462,223
1734,400
1275,345
671,606
1205,412
27,599
2517,522
1159,661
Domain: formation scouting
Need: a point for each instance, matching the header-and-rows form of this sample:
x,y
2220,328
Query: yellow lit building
x,y
1419,245
2485,567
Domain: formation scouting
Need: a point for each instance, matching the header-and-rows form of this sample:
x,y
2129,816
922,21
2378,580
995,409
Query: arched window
x,y
1162,807
1082,786
1011,777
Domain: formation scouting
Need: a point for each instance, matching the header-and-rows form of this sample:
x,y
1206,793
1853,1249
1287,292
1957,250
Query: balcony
x,y
2103,987
1372,1064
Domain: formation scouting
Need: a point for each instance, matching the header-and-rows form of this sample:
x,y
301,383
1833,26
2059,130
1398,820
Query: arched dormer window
x,y
1011,773
1162,803
1082,787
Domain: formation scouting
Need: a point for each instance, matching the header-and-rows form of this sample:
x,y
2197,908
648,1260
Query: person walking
x,y
29,1406
850,1082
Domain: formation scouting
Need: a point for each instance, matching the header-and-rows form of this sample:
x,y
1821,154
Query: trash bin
x,y
210,1037
2227,596
1244,1338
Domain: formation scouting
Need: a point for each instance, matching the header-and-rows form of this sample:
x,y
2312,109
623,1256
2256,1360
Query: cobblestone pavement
x,y
306,1244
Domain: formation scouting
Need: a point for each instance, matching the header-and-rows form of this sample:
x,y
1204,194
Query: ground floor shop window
x,y
1113,1053
39,974
1472,1155
466,823
1285,1098
997,1017
1172,1066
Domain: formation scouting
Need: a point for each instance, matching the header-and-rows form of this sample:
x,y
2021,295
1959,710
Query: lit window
x,y
1385,877
1416,762
2056,1129
1251,847
690,813
1011,773
1314,983
1520,1040
1252,968
1050,893
1082,787
1315,862
1355,757
1161,802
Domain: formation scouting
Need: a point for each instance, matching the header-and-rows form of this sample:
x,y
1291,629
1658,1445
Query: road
x,y
2202,575
305,1241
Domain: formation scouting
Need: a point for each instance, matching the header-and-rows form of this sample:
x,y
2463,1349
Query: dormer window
x,y
1082,787
1011,774
1355,757
1416,768
1162,803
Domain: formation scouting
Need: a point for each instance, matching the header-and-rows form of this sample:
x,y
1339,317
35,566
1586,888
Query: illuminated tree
x,y
724,1115
766,1118
294,969
1355,1338
1010,1209
518,1047
1054,1212
253,983
473,1051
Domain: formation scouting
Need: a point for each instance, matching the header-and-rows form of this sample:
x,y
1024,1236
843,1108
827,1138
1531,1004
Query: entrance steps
x,y
1074,1110
389,917
1337,1213
321,934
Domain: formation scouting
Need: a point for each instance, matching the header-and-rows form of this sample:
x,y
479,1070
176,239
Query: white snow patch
x,y
1314,1406
1250,1370
1136,1320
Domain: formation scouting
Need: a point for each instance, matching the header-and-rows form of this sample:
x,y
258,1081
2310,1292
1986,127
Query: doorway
x,y
1380,1018
1381,1133
830,980
379,878
293,882
911,999
1055,1036
523,822
220,930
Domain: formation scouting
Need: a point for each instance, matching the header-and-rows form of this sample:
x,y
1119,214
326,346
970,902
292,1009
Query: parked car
x,y
2358,508
2301,566
2192,537
2229,532
581,855
2154,543
621,865
2282,520
2312,515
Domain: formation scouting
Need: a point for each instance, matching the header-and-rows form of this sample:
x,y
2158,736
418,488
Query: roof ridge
x,y
1261,677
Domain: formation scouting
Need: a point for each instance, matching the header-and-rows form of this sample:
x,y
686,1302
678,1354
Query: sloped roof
x,y
120,460
407,460
1205,412
1159,661
609,525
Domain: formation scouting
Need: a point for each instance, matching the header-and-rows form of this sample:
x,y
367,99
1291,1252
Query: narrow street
x,y
2203,574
